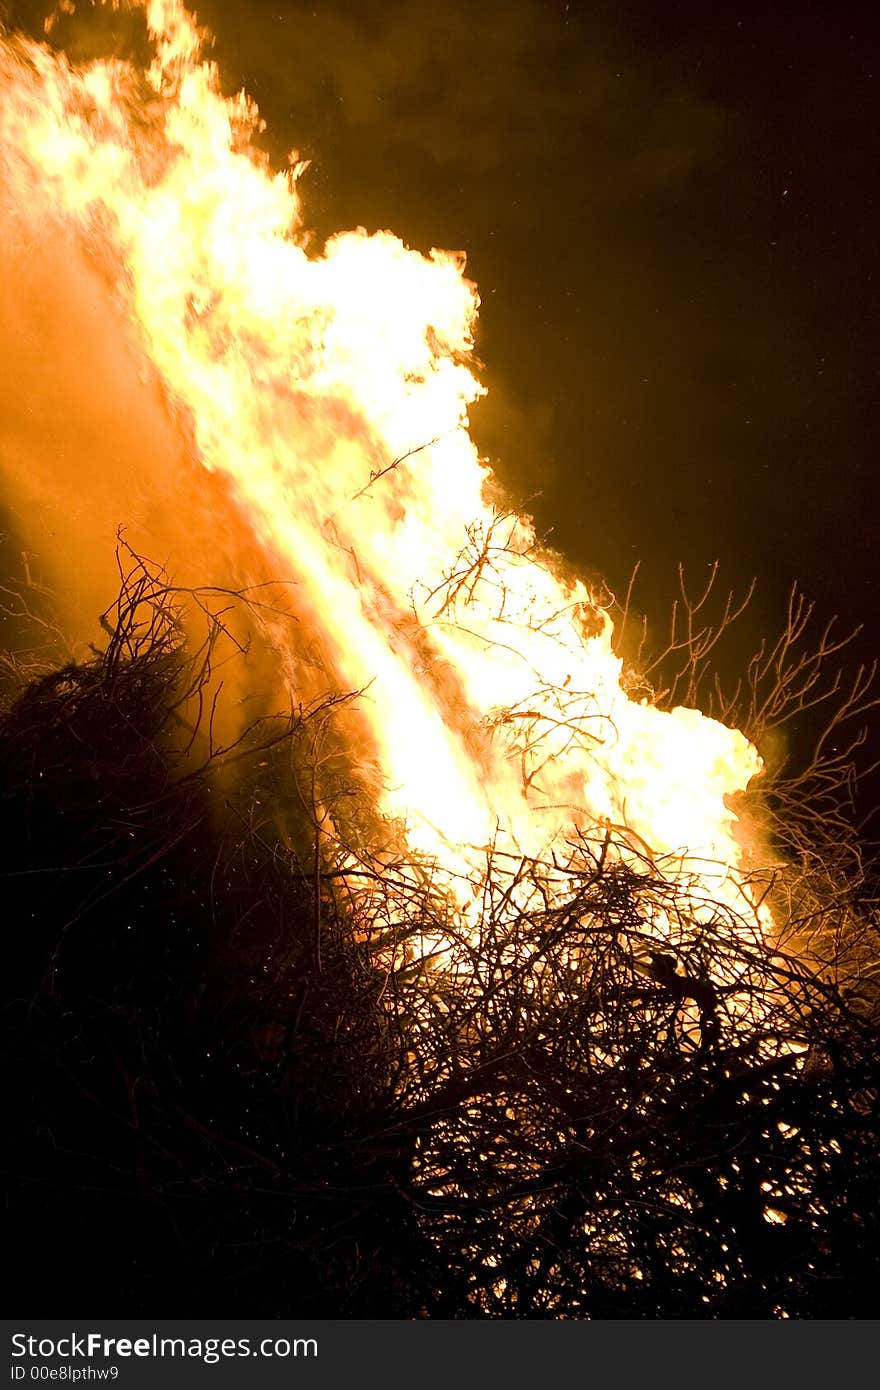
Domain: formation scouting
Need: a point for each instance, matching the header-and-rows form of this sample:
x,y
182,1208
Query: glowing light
x,y
332,390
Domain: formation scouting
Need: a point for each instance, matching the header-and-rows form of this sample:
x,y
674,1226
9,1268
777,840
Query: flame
x,y
330,391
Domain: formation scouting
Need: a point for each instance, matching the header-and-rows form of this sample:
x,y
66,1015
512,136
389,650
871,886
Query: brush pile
x,y
237,1090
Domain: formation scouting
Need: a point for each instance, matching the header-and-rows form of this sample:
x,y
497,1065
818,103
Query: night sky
x,y
671,213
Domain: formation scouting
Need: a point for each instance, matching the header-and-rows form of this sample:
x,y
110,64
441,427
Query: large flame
x,y
331,391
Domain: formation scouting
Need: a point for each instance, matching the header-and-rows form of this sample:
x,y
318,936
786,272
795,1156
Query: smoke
x,y
496,89
89,442
90,445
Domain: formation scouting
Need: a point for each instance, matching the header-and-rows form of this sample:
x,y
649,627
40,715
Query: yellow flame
x,y
331,390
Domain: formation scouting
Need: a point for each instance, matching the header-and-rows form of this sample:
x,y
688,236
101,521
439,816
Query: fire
x,y
331,391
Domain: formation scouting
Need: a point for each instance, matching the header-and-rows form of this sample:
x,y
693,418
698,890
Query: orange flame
x,y
331,390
